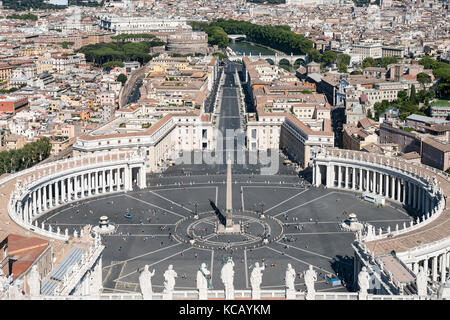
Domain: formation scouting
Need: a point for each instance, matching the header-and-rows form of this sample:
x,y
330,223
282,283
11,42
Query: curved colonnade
x,y
41,189
423,190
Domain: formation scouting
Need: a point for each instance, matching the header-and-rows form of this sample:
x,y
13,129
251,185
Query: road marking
x,y
311,252
142,255
304,262
78,205
242,199
154,205
173,202
279,204
156,262
303,204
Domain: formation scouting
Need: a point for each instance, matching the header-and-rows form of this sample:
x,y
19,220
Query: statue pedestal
x,y
229,294
290,294
168,295
310,296
147,296
256,294
202,294
362,296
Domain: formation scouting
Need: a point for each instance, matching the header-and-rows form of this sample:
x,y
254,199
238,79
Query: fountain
x,y
352,223
104,227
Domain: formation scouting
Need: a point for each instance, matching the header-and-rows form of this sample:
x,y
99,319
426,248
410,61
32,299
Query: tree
x,y
413,96
29,155
216,35
427,62
423,78
402,95
113,64
385,61
277,37
314,55
329,57
343,58
122,78
368,62
356,72
342,67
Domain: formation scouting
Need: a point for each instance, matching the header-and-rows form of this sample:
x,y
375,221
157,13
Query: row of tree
x,y
277,37
26,16
101,53
127,36
31,154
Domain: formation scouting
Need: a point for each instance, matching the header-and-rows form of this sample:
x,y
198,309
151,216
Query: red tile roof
x,y
24,251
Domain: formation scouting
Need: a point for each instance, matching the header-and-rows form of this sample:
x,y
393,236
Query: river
x,y
249,47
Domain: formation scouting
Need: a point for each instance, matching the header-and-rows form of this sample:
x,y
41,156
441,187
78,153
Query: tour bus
x,y
373,198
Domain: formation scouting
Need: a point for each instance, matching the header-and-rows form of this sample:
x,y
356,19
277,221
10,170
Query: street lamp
x,y
195,209
261,204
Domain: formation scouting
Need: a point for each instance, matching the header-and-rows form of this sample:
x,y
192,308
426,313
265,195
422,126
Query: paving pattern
x,y
148,237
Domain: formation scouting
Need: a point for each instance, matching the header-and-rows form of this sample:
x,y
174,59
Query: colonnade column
x,y
367,181
353,177
57,192
380,183
416,267
89,183
339,176
110,179
434,269
392,187
39,199
50,195
118,180
34,202
96,182
425,266
128,184
360,184
63,190
103,181
410,190
69,188
444,267
44,198
420,198
346,177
